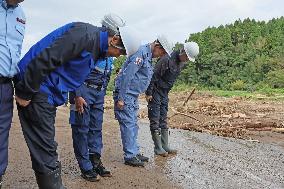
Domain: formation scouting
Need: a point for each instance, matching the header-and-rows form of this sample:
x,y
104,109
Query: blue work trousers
x,y
127,118
87,127
6,113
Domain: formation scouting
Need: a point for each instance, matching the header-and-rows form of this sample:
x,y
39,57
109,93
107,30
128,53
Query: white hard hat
x,y
166,44
192,50
113,22
131,39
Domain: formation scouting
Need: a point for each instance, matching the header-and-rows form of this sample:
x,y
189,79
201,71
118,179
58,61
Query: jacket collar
x,y
103,42
175,57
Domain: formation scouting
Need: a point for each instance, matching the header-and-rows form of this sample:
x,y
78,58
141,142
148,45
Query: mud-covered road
x,y
203,161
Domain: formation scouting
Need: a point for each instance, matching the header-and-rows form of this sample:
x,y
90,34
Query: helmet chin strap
x,y
157,44
181,52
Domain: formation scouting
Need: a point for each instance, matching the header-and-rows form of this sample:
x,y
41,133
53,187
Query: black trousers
x,y
37,121
158,109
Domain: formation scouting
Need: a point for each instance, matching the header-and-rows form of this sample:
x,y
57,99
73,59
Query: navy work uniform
x,y
87,127
57,64
133,80
165,74
12,28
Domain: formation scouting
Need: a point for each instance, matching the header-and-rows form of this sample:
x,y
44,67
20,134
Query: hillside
x,y
245,55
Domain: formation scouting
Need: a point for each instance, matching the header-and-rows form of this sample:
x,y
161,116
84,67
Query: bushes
x,y
238,85
276,79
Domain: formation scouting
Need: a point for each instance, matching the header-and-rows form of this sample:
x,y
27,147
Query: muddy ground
x,y
206,158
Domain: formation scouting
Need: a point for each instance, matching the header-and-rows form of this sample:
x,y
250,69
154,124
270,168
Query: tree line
x,y
245,55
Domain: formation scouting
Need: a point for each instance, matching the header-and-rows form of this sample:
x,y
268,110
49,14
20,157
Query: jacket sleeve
x,y
159,71
134,64
62,50
110,70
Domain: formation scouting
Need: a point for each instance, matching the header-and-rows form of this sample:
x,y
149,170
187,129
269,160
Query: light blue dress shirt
x,y
12,29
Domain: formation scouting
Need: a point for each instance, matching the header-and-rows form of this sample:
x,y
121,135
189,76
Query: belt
x,y
98,87
4,80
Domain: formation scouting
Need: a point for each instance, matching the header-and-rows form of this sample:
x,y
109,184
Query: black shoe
x,y
135,162
90,175
98,165
51,180
102,171
142,158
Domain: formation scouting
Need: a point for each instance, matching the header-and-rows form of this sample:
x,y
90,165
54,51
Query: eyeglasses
x,y
121,49
118,47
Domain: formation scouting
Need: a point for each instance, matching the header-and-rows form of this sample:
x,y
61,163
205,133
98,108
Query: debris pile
x,y
228,117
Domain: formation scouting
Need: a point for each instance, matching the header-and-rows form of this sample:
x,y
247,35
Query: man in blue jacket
x,y
166,71
86,119
133,80
57,64
12,29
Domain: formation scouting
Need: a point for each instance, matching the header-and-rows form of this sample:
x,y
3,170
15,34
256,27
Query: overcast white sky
x,y
175,18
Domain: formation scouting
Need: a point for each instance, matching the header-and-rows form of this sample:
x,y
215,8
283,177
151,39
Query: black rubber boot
x,y
90,175
51,180
158,149
165,141
98,165
135,162
0,182
142,158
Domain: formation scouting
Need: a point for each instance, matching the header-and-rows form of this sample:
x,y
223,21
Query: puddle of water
x,y
206,161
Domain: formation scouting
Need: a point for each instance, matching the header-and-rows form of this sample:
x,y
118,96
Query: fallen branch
x,y
256,125
227,129
183,114
260,129
278,130
197,129
192,92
